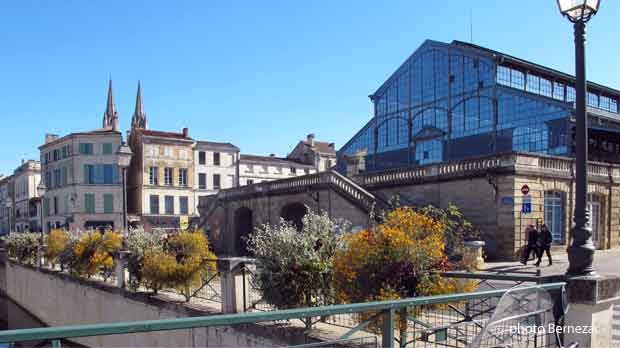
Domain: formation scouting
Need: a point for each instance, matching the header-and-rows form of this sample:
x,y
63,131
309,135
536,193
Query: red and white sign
x,y
525,189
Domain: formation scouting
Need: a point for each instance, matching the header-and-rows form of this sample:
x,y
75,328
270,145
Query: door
x,y
594,206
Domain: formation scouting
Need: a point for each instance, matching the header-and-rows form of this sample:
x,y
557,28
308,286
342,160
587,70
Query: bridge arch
x,y
244,225
294,213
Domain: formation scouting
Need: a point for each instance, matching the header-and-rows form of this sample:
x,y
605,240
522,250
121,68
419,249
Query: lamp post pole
x,y
581,250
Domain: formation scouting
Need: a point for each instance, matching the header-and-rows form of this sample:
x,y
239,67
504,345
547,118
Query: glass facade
x,y
453,101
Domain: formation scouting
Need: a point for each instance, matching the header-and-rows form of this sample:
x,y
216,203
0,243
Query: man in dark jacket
x,y
532,238
544,241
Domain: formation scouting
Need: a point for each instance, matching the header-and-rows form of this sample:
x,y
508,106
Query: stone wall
x,y
58,299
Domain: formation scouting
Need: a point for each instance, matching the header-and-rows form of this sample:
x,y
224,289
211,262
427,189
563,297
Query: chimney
x,y
332,145
185,132
310,139
50,137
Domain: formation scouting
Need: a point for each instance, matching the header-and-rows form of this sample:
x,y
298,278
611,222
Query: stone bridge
x,y
486,189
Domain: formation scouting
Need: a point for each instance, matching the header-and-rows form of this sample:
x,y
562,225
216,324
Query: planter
x,y
472,254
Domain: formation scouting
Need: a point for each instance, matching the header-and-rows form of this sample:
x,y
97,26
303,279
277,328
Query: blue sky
x,y
259,74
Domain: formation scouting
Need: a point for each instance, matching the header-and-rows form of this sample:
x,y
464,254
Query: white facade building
x,y
254,169
6,204
216,167
81,174
26,178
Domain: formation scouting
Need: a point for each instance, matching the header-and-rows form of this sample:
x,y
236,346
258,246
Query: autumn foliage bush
x,y
94,253
182,262
395,259
56,243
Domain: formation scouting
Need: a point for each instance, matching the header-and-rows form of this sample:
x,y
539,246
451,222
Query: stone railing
x,y
322,180
511,162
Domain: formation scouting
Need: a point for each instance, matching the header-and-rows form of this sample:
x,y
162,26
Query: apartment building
x,y
6,203
81,175
254,169
320,154
26,178
216,165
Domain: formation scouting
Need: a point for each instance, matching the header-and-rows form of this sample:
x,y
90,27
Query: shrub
x,y
395,260
94,253
138,242
23,247
182,262
295,267
57,241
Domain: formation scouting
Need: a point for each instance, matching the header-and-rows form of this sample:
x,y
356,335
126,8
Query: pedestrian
x,y
544,241
532,238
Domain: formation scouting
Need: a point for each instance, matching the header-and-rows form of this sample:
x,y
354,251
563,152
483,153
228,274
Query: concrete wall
x,y
58,299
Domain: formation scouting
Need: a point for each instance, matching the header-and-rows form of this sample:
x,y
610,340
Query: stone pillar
x,y
40,252
119,268
591,300
234,283
472,254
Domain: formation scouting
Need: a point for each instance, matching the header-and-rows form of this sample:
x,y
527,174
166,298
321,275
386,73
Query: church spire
x,y
110,117
139,116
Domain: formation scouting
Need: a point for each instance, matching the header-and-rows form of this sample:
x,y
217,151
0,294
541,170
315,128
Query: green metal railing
x,y
385,310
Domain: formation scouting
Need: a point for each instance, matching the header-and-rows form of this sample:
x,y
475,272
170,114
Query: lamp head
x,y
578,10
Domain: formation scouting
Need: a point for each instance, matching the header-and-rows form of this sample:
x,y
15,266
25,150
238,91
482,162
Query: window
x,y
592,100
216,158
183,154
86,148
216,181
183,205
202,158
154,175
202,181
89,203
106,149
182,176
306,171
46,207
56,206
100,174
168,173
63,176
554,214
56,155
57,178
250,181
168,151
65,151
293,170
154,204
108,203
169,205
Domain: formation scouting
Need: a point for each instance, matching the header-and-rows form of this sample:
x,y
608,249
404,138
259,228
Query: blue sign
x,y
526,206
508,200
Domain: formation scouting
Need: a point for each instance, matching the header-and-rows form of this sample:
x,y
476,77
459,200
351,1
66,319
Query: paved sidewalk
x,y
606,262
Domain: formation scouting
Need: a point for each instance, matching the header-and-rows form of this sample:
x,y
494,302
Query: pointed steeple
x,y
139,116
110,117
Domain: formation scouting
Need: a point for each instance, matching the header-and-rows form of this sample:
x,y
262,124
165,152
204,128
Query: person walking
x,y
544,241
532,238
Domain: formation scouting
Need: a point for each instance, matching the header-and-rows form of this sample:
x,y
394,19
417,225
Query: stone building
x,y
160,180
26,178
81,175
216,165
320,154
463,124
6,204
254,169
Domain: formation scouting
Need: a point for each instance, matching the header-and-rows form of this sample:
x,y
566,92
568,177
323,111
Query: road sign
x,y
526,205
525,189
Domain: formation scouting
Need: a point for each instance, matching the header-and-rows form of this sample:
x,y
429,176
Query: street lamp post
x,y
124,155
581,252
41,188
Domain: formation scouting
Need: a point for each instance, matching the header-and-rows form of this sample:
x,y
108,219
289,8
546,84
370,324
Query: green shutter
x,y
86,173
108,203
89,203
46,207
107,148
